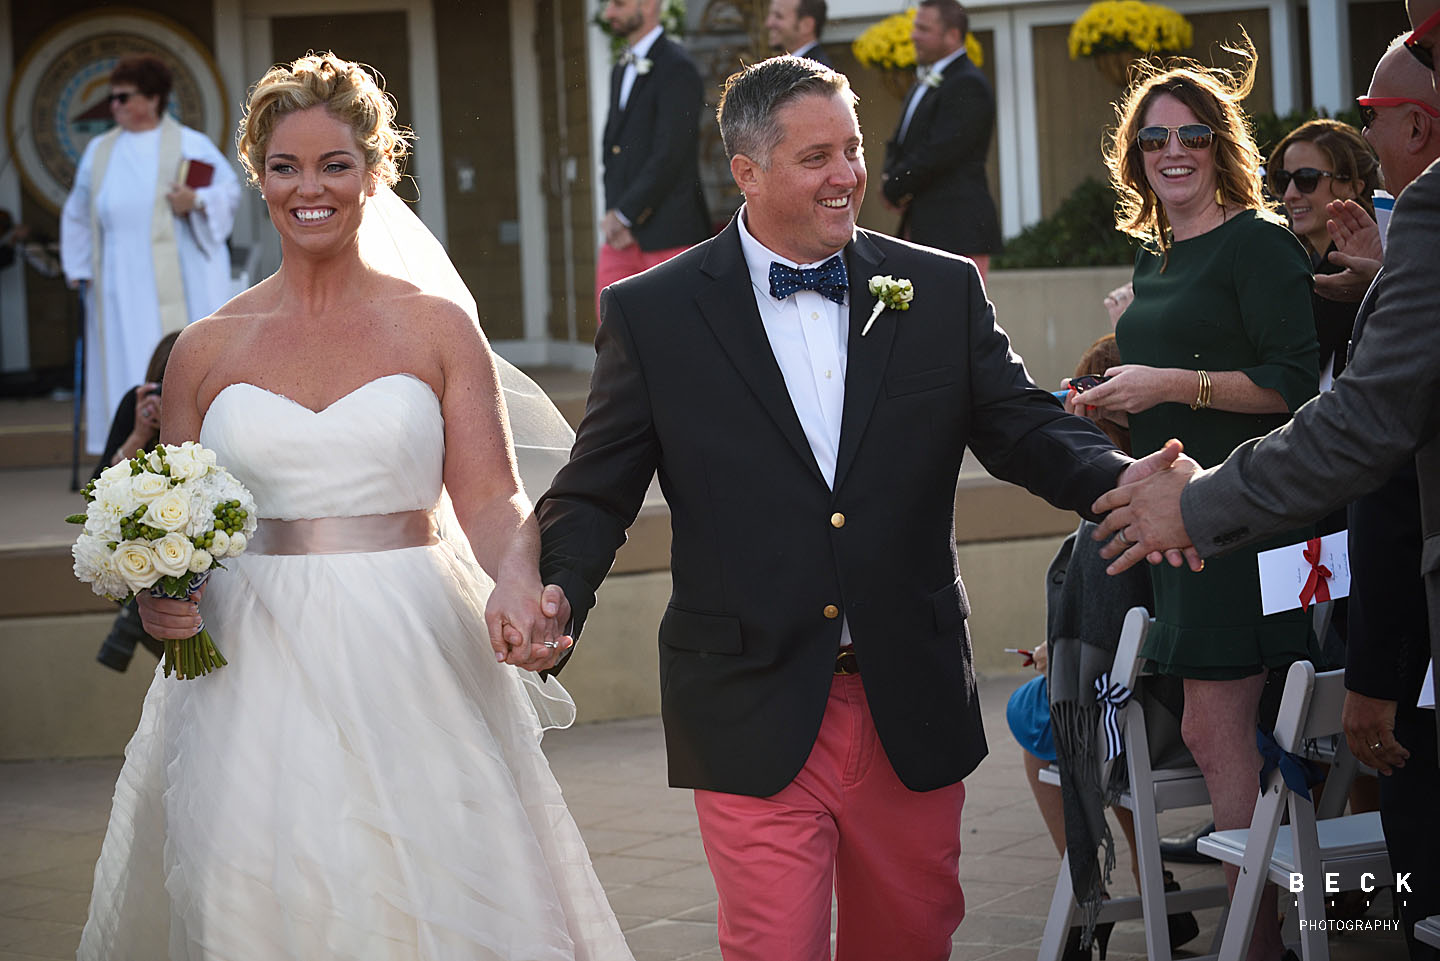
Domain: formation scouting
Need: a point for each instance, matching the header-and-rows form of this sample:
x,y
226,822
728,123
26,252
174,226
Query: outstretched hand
x,y
1144,512
1357,249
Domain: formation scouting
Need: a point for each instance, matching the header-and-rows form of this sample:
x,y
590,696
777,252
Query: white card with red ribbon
x,y
1306,573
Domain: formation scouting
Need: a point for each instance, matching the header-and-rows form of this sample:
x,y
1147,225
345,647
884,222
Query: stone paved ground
x,y
642,837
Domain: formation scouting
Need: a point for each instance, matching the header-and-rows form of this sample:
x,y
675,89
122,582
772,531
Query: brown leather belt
x,y
846,662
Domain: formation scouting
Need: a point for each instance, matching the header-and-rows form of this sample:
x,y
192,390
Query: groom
x,y
815,665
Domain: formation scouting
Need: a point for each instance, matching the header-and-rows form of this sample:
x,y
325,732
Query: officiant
x,y
146,225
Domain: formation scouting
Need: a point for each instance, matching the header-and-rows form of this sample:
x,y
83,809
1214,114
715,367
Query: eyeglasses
x,y
1425,55
122,97
1192,136
1306,179
1368,104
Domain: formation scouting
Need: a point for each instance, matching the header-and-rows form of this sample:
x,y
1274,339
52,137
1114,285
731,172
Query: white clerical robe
x,y
125,294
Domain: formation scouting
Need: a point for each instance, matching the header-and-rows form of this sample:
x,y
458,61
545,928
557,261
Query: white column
x,y
1285,55
529,169
598,47
14,314
1027,121
1330,83
1007,115
425,105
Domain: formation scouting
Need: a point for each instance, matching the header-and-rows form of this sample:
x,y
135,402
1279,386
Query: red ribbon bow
x,y
1316,587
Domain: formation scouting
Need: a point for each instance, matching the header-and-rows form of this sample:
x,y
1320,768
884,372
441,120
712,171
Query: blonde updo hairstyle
x,y
346,90
1214,95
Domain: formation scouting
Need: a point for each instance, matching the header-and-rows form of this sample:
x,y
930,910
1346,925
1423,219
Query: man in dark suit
x,y
795,27
654,205
815,665
935,163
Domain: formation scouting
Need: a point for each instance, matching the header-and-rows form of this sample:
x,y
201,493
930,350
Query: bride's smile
x,y
315,180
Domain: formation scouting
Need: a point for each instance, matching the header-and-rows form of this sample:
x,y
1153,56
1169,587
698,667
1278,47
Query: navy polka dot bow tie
x,y
828,280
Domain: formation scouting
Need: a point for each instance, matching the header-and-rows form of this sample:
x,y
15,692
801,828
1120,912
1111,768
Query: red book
x,y
196,173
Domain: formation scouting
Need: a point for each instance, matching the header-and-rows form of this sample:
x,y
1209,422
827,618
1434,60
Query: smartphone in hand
x,y
1085,381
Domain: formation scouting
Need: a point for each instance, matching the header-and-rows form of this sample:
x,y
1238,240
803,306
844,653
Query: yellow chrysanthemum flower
x,y
1129,25
886,44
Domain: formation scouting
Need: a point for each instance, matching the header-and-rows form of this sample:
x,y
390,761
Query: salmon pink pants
x,y
613,265
846,824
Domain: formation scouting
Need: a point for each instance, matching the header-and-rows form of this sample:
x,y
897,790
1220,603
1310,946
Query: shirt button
x,y
831,611
814,315
837,520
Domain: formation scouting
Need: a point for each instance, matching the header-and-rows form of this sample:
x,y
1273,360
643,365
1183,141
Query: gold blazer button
x,y
615,149
831,611
837,520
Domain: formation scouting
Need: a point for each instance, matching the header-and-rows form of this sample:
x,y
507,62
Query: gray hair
x,y
754,95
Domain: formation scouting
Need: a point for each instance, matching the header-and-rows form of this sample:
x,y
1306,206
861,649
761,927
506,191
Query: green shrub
x,y
1081,233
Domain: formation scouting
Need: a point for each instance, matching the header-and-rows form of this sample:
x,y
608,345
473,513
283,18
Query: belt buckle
x,y
846,662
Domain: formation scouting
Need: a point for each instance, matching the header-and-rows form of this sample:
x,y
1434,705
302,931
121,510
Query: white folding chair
x,y
1347,847
1150,792
1428,931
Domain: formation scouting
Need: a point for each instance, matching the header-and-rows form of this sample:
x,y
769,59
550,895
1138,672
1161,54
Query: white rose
x,y
135,562
170,511
184,464
146,487
113,473
220,546
200,561
172,554
154,461
117,496
237,545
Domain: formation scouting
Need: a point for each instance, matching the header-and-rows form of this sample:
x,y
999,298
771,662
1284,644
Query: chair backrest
x,y
1310,706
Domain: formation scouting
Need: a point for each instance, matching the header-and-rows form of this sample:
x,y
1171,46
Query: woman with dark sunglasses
x,y
1218,347
1318,162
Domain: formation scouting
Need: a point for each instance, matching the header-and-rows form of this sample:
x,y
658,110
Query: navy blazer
x,y
652,151
937,170
765,557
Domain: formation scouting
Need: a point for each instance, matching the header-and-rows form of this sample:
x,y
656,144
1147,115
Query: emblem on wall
x,y
59,98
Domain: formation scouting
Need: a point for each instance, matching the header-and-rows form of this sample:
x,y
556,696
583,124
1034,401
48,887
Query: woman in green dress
x,y
1218,347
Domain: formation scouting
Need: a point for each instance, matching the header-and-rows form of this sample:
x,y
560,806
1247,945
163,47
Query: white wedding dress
x,y
363,780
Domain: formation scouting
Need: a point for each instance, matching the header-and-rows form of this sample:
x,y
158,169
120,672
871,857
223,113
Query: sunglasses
x,y
1425,55
1368,104
1192,136
123,97
1306,179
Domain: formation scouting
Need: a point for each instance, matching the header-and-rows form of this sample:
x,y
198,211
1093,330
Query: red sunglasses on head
x,y
1425,55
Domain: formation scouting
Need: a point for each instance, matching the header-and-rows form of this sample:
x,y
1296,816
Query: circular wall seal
x,y
59,98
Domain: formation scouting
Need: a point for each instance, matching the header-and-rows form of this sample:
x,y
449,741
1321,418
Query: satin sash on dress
x,y
362,534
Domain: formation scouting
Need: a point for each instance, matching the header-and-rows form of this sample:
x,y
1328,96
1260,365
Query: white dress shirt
x,y
809,335
921,73
641,50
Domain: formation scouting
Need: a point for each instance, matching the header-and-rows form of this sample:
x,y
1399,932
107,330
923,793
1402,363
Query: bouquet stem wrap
x,y
190,657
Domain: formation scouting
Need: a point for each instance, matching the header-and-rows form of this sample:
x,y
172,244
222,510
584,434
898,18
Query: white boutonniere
x,y
893,292
934,79
643,65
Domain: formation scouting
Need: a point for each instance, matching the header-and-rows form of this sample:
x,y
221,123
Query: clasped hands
x,y
1143,518
528,626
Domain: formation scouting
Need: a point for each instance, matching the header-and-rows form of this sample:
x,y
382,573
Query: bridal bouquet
x,y
161,521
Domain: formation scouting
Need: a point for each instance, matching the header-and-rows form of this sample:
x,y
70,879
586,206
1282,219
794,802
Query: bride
x,y
364,780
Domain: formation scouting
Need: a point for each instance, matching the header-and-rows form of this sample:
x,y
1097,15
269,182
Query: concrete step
x,y
37,433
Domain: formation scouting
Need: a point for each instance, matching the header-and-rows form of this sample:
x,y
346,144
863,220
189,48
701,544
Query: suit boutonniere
x,y
893,292
934,79
642,64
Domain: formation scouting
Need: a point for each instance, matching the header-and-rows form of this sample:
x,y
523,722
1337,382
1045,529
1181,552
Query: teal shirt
x,y
1234,298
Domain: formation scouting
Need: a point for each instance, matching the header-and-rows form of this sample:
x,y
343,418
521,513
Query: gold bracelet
x,y
1202,397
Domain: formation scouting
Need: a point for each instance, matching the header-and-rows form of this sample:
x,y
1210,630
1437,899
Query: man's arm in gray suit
x,y
1343,443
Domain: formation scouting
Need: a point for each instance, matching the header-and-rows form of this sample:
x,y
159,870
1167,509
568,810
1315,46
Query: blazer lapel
x,y
728,305
612,122
866,356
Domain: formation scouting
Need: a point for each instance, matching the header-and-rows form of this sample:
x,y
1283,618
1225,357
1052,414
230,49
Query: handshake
x,y
528,624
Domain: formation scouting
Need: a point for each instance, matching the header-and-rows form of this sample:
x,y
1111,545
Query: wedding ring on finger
x,y
1120,536
552,644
